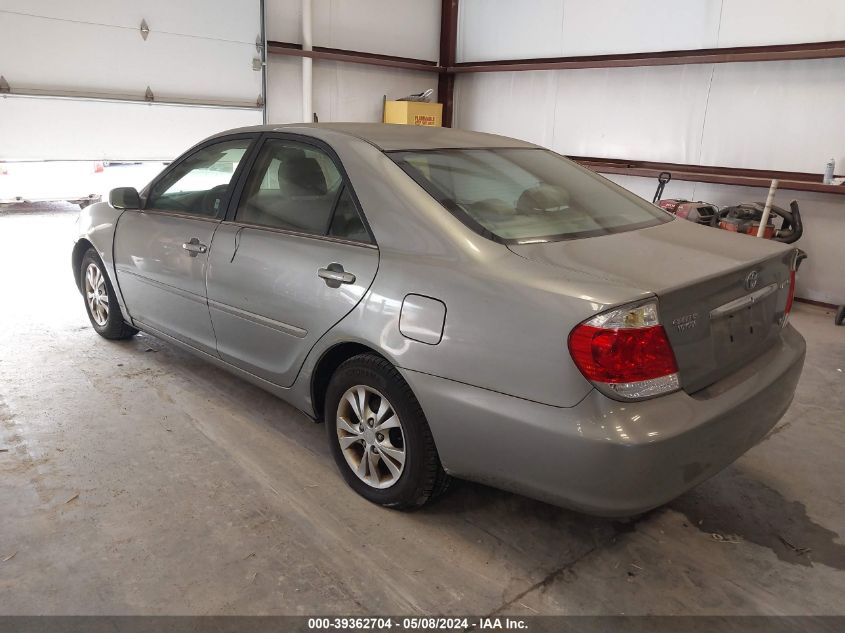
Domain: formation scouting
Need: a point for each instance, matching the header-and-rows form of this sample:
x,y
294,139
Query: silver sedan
x,y
456,304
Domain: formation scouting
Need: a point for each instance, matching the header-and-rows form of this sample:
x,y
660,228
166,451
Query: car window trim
x,y
292,233
218,217
178,214
334,208
320,145
240,183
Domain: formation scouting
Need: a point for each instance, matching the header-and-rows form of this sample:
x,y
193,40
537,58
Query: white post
x,y
767,209
307,91
263,36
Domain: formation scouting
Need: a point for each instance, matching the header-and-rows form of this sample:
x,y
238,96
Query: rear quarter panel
x,y
507,318
506,323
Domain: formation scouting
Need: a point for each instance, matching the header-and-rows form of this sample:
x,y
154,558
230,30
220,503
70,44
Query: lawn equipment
x,y
741,218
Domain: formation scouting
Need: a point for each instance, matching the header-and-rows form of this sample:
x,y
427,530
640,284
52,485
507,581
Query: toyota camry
x,y
456,304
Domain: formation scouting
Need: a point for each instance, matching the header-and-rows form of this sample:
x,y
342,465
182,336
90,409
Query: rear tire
x,y
100,299
379,436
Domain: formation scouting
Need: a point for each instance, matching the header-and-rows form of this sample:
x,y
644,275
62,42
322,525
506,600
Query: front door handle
x,y
194,247
335,275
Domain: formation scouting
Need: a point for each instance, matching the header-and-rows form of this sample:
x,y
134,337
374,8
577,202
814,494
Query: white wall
x,y
595,112
776,115
757,22
504,29
405,28
342,91
764,115
198,50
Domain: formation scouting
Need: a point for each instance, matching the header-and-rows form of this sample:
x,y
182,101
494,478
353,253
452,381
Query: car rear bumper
x,y
607,457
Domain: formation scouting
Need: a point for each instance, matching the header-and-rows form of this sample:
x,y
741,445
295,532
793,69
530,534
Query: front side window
x,y
524,195
297,187
200,184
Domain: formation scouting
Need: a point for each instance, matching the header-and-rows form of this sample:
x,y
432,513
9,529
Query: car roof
x,y
390,137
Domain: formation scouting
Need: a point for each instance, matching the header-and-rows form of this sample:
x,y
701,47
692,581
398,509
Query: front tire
x,y
379,436
101,301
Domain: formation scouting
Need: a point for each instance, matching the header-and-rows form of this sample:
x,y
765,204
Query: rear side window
x,y
297,187
526,195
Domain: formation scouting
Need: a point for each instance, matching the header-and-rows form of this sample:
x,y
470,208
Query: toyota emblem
x,y
751,280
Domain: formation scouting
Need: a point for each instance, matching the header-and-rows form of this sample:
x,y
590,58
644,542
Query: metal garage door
x,y
76,76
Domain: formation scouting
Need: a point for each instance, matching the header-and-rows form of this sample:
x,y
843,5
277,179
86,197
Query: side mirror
x,y
125,198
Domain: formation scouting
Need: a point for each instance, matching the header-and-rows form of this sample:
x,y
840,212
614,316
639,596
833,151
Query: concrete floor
x,y
136,479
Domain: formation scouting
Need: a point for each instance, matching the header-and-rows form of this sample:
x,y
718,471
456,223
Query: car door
x,y
161,251
295,257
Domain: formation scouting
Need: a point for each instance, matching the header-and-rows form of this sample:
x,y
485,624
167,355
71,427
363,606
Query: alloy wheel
x,y
371,437
97,294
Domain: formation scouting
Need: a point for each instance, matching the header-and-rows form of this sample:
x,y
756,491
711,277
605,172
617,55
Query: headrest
x,y
287,153
301,176
543,199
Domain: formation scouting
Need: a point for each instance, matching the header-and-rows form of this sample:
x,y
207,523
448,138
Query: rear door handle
x,y
335,275
194,247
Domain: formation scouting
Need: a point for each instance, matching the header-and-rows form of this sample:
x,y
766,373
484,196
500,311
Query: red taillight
x,y
98,167
791,296
626,352
626,355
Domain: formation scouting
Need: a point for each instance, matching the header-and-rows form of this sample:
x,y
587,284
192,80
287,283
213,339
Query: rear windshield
x,y
526,195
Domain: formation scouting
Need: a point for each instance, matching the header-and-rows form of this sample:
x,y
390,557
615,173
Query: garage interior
x,y
139,480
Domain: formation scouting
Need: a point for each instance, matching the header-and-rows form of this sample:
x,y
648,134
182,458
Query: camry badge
x,y
686,322
751,280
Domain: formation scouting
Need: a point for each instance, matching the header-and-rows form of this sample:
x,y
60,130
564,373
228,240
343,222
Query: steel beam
x,y
353,57
448,48
778,52
793,180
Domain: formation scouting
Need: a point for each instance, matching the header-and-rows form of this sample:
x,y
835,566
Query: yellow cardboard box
x,y
413,113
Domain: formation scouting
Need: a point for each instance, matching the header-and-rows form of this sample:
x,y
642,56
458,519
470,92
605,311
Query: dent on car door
x,y
294,260
161,251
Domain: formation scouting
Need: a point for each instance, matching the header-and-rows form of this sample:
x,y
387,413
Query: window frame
x,y
221,212
346,184
467,220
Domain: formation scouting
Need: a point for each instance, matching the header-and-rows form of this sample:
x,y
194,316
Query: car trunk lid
x,y
721,296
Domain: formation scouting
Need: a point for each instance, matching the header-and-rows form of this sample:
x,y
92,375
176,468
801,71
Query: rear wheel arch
x,y
325,368
393,463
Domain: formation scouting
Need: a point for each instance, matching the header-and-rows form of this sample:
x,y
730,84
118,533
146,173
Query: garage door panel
x,y
93,130
216,19
92,58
